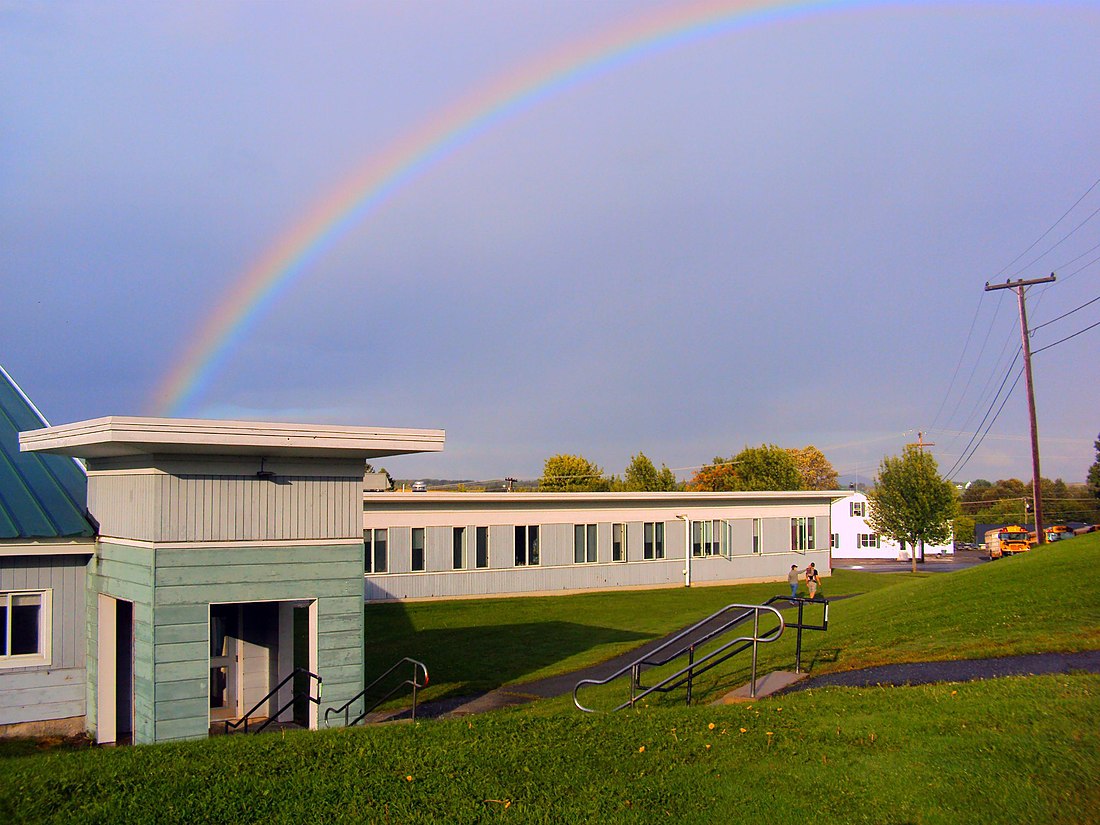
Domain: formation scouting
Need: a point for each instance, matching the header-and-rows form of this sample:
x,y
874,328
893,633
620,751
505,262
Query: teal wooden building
x,y
227,554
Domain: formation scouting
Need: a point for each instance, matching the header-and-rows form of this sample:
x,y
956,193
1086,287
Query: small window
x,y
758,535
653,540
857,509
417,557
834,541
584,543
24,628
618,542
706,538
868,539
527,545
375,557
481,550
802,534
459,545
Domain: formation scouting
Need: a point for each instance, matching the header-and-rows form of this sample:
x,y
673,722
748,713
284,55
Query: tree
x,y
814,468
1094,471
766,467
642,476
911,503
572,474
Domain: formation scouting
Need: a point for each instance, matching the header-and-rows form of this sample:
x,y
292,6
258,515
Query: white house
x,y
853,537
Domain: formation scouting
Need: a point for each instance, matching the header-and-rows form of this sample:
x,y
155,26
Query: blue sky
x,y
775,235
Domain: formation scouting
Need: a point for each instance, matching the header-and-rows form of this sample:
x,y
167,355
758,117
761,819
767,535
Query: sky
x,y
776,231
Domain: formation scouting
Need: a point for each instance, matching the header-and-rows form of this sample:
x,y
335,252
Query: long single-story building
x,y
172,585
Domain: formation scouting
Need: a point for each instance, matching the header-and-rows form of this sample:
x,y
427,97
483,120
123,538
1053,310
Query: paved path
x,y
962,670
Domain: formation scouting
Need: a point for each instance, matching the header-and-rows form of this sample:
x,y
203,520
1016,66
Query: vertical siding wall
x,y
557,570
226,502
56,690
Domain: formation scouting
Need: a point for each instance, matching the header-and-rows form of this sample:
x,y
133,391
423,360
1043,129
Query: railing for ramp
x,y
686,643
414,681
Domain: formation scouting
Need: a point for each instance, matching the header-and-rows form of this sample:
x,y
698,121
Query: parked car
x,y
420,487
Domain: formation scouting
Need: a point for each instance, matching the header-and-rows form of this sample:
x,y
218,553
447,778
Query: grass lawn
x,y
1008,750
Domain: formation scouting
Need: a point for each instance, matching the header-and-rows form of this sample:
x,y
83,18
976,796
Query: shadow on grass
x,y
468,660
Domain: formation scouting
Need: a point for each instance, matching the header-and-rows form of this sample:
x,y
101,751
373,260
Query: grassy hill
x,y
1009,750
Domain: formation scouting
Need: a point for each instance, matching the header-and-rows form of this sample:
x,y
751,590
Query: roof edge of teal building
x,y
42,496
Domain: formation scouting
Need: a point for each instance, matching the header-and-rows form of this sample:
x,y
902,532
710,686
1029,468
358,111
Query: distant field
x,y
1019,750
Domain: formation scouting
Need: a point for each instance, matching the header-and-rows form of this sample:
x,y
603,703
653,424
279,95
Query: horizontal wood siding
x,y
189,580
127,572
65,576
41,695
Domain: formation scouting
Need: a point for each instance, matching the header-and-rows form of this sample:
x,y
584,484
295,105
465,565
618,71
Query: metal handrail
x,y
418,667
693,667
229,724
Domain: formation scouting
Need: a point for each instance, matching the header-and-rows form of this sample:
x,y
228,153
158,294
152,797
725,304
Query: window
x,y
375,557
481,547
618,542
653,540
459,544
802,534
417,560
584,543
857,508
758,535
527,545
834,541
868,539
25,628
706,538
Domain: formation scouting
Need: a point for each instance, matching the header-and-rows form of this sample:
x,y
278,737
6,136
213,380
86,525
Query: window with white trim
x,y
24,628
857,509
481,547
416,561
376,557
758,535
834,541
458,542
618,542
707,538
653,540
802,534
584,543
868,539
527,545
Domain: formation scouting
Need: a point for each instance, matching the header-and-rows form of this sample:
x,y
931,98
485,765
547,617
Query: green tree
x,y
911,503
814,468
642,476
1094,471
572,474
766,467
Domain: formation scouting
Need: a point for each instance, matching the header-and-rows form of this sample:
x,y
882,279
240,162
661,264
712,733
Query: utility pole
x,y
920,443
1037,495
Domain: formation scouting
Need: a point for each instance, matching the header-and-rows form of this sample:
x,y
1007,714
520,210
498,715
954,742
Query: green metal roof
x,y
41,495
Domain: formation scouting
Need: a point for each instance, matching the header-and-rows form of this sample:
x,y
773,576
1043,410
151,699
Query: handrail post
x,y
691,672
755,645
798,641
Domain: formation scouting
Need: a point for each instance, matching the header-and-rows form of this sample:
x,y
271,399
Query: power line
x,y
991,423
1065,237
1064,314
1063,340
962,355
1051,229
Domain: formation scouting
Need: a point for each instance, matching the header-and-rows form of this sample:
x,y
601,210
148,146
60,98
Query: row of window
x,y
708,538
24,627
862,540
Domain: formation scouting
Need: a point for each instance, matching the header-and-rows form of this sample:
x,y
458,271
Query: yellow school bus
x,y
1007,541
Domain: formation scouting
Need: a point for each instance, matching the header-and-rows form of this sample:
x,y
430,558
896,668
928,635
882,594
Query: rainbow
x,y
410,157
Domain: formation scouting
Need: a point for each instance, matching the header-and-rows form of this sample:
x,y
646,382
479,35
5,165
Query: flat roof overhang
x,y
119,436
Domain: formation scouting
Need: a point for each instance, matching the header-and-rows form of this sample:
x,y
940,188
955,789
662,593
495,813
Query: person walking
x,y
792,580
811,580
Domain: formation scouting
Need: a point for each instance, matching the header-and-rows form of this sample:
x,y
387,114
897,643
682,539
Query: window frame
x,y
421,549
373,550
868,541
857,509
481,559
459,555
44,654
653,540
803,534
527,550
618,541
586,543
